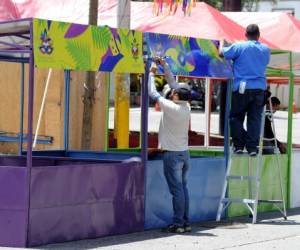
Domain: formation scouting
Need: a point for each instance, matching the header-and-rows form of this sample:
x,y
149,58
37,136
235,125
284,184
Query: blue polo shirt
x,y
250,60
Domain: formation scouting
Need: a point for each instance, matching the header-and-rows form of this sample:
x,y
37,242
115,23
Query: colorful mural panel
x,y
87,47
188,56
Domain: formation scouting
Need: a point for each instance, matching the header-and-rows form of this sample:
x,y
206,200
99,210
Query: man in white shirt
x,y
173,141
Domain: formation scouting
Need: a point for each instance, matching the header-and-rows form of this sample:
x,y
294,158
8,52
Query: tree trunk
x,y
89,90
232,5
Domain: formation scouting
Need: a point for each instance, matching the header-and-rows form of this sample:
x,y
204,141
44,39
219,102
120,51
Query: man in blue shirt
x,y
250,59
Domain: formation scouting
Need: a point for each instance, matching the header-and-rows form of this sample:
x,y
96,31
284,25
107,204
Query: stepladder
x,y
252,180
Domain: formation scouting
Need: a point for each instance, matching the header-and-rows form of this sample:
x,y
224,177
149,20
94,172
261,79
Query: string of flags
x,y
170,6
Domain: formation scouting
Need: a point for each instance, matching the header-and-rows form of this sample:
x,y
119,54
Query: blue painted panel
x,y
205,181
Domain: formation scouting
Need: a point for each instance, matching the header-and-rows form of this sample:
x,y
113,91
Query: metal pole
x,y
207,112
29,134
21,108
223,92
145,107
42,108
290,126
67,110
226,127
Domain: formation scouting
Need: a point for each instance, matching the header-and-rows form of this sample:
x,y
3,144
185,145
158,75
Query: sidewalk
x,y
272,232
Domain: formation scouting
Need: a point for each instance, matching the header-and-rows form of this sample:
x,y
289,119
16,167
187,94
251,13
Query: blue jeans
x,y
176,165
250,103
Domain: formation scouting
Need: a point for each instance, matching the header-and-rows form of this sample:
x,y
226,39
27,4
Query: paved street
x,y
271,232
198,122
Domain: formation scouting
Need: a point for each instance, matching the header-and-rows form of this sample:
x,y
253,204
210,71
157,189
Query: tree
x,y
232,5
89,90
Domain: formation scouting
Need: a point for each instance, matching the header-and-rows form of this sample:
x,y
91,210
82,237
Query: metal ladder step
x,y
241,177
244,154
237,200
270,201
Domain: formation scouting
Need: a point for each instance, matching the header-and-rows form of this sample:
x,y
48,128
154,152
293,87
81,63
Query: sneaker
x,y
187,227
174,229
252,153
238,150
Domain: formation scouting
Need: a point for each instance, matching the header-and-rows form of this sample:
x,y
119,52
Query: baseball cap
x,y
183,85
184,91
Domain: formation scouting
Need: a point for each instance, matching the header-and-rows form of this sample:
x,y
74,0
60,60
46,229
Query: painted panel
x,y
295,179
85,201
12,206
269,186
188,56
87,47
205,181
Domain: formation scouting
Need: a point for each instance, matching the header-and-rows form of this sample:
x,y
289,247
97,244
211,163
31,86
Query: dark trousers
x,y
250,103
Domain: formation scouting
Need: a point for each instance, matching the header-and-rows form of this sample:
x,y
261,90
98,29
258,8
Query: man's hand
x,y
153,68
221,45
160,60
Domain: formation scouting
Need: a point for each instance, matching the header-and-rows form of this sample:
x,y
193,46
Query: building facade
x,y
290,6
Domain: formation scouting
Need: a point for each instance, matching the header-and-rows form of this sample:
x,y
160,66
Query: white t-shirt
x,y
174,125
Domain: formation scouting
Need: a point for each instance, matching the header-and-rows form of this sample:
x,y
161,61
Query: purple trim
x,y
17,20
22,36
144,118
14,59
29,131
15,33
15,51
14,45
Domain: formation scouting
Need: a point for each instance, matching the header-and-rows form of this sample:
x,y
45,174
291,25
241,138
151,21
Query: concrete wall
x,y
280,6
282,92
295,179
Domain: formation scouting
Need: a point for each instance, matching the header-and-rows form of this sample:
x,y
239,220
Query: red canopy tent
x,y
279,27
205,21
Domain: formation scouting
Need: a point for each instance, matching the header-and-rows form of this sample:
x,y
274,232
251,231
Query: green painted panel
x,y
207,153
269,186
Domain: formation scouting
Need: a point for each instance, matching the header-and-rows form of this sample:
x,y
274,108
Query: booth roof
x,y
14,39
280,28
205,21
274,26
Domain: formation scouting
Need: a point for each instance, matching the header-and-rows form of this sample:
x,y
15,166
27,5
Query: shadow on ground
x,y
199,229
